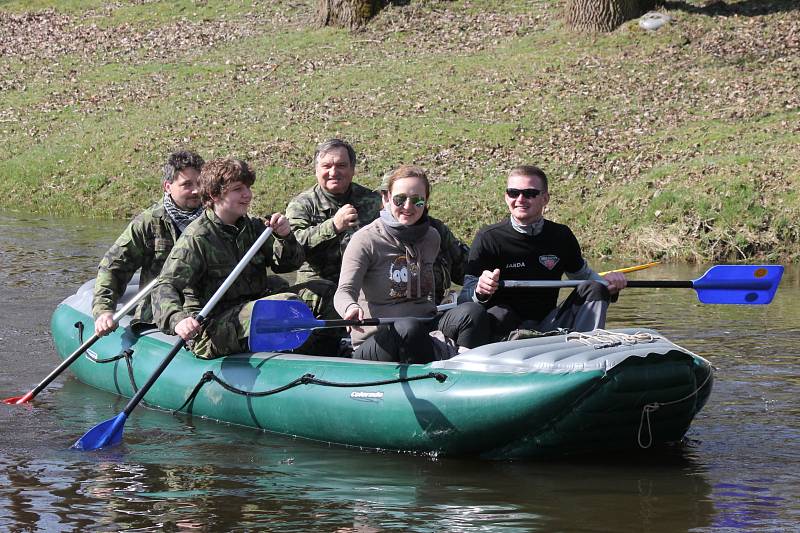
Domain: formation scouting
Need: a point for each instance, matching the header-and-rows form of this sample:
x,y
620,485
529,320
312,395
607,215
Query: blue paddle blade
x,y
739,284
104,434
277,325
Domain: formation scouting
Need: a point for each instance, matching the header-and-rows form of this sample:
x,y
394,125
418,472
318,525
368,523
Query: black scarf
x,y
180,217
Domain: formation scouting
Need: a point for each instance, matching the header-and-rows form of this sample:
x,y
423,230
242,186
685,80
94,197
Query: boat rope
x,y
126,354
305,379
601,338
644,419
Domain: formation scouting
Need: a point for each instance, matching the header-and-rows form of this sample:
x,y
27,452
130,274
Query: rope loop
x,y
646,410
305,379
644,419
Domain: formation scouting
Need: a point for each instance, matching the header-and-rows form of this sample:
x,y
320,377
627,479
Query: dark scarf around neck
x,y
180,217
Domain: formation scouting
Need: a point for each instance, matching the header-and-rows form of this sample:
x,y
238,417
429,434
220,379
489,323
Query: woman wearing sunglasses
x,y
387,272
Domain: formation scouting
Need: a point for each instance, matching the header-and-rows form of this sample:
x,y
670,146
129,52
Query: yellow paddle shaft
x,y
632,269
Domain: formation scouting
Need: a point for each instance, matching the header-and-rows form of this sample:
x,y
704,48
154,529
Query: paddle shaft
x,y
557,284
200,317
635,268
755,284
86,345
365,322
721,284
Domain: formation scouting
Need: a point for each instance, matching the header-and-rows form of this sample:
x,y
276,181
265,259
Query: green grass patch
x,y
659,145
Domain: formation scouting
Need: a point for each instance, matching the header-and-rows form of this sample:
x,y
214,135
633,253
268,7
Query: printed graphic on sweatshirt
x,y
405,279
549,261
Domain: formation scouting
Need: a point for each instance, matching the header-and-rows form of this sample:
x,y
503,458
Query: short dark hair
x,y
179,160
530,171
332,144
218,174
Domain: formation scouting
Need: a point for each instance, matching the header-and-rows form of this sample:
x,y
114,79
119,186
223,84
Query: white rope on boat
x,y
601,338
655,406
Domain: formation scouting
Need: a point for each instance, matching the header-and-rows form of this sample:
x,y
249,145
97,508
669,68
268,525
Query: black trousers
x,y
583,310
408,341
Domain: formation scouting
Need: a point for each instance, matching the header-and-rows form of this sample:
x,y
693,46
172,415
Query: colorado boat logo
x,y
366,396
549,261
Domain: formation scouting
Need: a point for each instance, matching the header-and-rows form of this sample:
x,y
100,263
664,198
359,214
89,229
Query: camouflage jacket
x,y
145,244
449,265
203,258
311,215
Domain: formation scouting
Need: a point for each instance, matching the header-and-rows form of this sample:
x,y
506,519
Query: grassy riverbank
x,y
681,144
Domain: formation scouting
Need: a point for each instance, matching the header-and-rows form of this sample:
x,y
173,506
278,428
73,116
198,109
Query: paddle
x,y
452,305
277,325
634,268
721,284
109,433
16,400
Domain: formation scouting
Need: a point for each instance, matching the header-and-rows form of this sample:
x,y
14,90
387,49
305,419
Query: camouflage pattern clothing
x,y
311,215
201,261
145,244
449,265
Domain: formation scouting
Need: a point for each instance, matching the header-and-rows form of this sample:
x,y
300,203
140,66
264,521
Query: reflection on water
x,y
177,473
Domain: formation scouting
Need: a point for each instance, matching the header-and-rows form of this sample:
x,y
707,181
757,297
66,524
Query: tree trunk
x,y
350,14
602,15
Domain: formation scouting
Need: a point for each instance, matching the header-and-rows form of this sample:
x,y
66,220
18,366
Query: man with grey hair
x,y
147,241
324,217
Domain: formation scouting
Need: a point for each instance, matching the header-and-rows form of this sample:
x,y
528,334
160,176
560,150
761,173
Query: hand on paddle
x,y
104,324
616,281
188,328
279,224
354,312
488,284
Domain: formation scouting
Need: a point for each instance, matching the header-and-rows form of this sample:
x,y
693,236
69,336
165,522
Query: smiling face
x,y
410,189
185,189
233,203
526,210
334,170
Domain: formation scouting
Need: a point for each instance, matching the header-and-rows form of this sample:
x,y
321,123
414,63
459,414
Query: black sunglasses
x,y
527,193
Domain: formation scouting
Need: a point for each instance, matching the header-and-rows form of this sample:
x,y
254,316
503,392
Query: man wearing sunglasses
x,y
526,246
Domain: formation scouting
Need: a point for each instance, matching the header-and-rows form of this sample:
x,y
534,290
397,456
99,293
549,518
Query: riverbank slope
x,y
679,144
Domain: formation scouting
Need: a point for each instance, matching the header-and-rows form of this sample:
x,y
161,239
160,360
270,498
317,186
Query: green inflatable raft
x,y
556,395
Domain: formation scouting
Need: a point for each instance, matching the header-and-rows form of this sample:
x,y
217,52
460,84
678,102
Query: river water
x,y
738,469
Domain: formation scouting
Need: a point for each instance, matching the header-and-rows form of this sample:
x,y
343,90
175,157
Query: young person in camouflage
x,y
453,253
324,217
207,253
147,241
